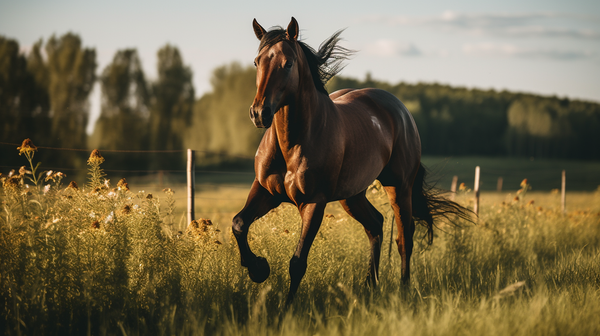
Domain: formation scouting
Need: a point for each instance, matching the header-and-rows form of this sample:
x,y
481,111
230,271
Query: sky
x,y
543,47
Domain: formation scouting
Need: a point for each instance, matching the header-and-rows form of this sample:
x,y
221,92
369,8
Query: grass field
x,y
109,261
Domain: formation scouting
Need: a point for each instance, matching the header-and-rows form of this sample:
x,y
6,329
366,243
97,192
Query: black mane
x,y
323,64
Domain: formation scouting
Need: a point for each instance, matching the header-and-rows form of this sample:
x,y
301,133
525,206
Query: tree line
x,y
44,96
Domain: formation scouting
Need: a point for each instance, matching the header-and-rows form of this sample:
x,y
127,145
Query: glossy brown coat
x,y
320,148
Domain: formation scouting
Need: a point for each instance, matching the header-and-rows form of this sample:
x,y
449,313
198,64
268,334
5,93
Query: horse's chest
x,y
294,180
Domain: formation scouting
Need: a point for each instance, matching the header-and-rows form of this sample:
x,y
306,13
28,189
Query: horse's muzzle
x,y
261,117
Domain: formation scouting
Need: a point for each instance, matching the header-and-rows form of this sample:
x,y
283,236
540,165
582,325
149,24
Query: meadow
x,y
106,258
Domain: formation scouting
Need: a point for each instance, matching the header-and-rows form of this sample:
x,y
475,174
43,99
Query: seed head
x,y
27,147
95,158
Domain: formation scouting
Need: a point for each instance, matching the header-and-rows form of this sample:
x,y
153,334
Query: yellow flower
x,y
27,147
73,185
95,158
123,185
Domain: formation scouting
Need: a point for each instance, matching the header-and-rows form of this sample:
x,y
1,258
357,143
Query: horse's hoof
x,y
260,271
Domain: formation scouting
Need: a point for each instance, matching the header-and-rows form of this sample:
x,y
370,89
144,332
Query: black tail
x,y
429,204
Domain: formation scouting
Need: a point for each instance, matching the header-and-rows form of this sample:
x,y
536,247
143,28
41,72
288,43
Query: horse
x,y
320,148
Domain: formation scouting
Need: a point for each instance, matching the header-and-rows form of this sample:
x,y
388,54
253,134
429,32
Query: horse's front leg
x,y
259,202
312,215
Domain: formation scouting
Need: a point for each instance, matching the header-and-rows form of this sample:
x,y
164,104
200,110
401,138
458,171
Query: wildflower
x,y
516,198
92,214
126,209
199,226
123,185
46,189
523,183
11,173
48,173
462,187
530,202
168,191
12,184
109,217
107,183
23,171
95,158
27,147
73,185
149,196
111,194
95,225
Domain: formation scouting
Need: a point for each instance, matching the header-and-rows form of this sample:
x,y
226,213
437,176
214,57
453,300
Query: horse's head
x,y
277,73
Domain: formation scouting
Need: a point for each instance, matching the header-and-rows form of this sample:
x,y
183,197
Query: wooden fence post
x,y
499,185
476,189
191,183
453,187
563,193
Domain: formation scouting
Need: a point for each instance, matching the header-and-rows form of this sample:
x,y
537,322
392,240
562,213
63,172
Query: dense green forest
x,y
44,96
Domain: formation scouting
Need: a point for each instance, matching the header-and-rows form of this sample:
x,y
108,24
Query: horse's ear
x,y
258,30
292,30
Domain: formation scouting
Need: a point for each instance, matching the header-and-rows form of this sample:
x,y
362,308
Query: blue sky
x,y
545,47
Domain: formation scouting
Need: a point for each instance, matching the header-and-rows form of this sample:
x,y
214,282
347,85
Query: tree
x,y
71,76
123,121
13,76
172,104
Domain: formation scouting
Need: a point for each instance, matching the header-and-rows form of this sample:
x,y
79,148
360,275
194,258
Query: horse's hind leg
x,y
363,211
402,205
259,202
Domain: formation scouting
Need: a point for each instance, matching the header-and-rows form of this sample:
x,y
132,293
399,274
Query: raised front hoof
x,y
260,270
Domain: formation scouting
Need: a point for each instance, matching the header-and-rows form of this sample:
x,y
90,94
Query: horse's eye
x,y
255,64
288,64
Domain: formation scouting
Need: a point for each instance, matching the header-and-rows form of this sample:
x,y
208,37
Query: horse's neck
x,y
297,121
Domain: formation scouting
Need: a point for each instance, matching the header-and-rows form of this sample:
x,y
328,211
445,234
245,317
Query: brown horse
x,y
320,148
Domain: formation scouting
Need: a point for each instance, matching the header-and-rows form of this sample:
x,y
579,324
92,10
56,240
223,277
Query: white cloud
x,y
510,50
504,24
391,48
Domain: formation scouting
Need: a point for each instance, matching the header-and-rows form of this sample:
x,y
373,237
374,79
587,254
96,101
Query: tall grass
x,y
107,260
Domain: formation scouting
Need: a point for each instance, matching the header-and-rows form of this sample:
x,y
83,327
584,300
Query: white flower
x,y
112,194
55,220
106,183
92,214
46,189
49,172
135,206
109,217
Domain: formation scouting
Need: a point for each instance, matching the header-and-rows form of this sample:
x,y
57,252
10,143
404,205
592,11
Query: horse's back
x,y
402,135
381,103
